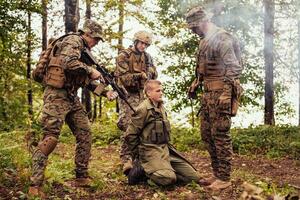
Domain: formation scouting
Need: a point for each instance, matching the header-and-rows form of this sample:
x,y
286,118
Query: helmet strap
x,y
135,43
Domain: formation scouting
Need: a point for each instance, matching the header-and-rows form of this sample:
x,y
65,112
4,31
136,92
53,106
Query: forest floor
x,y
279,176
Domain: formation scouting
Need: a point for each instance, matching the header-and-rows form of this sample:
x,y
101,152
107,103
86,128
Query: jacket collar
x,y
150,106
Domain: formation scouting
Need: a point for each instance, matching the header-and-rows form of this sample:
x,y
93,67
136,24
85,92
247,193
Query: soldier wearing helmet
x,y
134,67
218,69
66,73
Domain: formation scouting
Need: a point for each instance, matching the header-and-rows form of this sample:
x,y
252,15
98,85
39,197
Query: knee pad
x,y
48,144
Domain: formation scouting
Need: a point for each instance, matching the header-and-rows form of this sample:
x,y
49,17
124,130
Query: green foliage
x,y
13,46
243,19
105,130
273,141
14,161
186,138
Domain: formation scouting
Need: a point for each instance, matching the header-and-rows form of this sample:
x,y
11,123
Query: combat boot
x,y
127,167
219,185
207,181
36,191
79,182
83,182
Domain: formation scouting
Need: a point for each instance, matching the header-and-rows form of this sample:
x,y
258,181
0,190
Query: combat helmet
x,y
196,15
143,36
93,28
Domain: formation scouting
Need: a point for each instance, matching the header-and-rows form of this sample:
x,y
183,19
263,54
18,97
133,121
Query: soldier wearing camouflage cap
x,y
218,69
92,29
66,73
134,67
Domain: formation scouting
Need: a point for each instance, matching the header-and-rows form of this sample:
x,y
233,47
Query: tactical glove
x,y
192,94
136,174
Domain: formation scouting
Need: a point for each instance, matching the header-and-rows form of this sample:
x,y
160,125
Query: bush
x,y
105,131
186,138
273,141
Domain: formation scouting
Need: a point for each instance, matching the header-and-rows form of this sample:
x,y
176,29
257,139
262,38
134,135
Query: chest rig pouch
x,y
160,134
137,63
55,75
210,60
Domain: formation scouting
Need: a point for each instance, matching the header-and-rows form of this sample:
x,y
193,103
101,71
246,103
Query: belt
x,y
213,85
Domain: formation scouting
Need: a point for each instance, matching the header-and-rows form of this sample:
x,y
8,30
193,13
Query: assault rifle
x,y
109,78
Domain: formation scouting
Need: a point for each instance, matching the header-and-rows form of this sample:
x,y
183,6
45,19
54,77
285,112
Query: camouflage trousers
x,y
57,109
215,132
124,119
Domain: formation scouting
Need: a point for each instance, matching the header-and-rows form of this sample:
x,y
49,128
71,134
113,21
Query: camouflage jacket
x,y
77,72
218,57
148,136
130,64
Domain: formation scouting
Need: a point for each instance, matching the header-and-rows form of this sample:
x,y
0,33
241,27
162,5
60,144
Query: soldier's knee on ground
x,y
163,177
191,175
47,145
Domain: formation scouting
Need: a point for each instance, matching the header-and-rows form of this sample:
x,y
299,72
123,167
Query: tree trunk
x,y
71,15
121,7
100,106
88,104
299,70
44,24
88,12
193,113
95,108
87,95
269,13
121,24
28,63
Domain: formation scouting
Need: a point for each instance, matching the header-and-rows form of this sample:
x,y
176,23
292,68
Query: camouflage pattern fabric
x,y
39,161
128,73
218,61
63,105
93,28
57,110
215,127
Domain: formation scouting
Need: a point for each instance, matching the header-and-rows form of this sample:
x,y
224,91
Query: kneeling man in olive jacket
x,y
148,136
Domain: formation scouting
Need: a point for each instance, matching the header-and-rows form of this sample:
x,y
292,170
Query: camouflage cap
x,y
196,15
143,36
93,28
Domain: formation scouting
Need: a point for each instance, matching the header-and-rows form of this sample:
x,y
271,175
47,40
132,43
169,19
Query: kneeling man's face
x,y
156,93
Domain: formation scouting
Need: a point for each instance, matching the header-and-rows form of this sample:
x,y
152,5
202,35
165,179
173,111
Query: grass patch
x,y
267,186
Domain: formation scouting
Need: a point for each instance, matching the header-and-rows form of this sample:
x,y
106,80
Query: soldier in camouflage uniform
x,y
148,136
134,67
66,72
218,70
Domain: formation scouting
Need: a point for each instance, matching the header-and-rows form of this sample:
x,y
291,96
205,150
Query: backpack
x,y
39,73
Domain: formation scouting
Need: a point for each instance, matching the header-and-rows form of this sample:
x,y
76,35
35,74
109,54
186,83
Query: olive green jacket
x,y
148,136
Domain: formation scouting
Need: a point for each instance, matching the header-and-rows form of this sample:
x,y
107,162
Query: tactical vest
x,y
136,63
49,69
159,133
209,60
